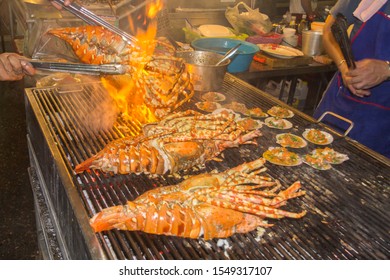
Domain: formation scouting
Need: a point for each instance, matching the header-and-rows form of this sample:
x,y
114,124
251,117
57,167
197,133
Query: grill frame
x,y
288,239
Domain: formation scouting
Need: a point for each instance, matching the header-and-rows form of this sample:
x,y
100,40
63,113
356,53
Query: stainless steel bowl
x,y
205,75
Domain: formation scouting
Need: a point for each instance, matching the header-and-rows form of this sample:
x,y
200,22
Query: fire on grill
x,y
156,82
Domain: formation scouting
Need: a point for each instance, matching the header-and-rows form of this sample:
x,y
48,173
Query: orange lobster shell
x,y
176,143
211,205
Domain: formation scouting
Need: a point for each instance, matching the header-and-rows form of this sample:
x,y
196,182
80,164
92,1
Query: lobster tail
x,y
124,157
116,217
211,205
176,143
92,44
159,219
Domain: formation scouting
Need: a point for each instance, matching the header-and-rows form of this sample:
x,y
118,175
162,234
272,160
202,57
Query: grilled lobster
x,y
178,142
154,73
212,205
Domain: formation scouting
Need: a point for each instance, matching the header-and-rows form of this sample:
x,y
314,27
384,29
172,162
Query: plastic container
x,y
317,26
240,62
300,95
289,37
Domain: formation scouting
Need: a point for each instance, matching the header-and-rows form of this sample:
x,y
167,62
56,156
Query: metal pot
x,y
205,75
312,43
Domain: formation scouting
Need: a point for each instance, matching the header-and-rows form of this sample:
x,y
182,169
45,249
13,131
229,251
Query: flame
x,y
128,99
144,25
154,8
124,89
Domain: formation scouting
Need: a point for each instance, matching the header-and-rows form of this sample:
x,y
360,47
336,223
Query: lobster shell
x,y
211,205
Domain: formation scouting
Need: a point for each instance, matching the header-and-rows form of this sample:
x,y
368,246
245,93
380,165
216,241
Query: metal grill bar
x,y
347,206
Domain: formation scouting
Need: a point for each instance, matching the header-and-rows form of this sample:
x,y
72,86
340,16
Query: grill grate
x,y
347,205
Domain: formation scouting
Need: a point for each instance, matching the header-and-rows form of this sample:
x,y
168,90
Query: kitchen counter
x,y
258,73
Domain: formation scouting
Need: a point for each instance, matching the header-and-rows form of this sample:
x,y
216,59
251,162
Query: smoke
x,y
102,115
94,109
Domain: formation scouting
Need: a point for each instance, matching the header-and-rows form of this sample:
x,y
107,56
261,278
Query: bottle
x,y
293,23
278,28
303,25
284,21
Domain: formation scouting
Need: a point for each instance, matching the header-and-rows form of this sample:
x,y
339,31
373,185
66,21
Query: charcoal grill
x,y
348,206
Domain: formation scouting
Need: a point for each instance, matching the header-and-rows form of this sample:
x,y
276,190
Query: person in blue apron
x,y
361,95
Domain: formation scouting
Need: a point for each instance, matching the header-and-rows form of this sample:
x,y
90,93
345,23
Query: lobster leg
x,y
255,204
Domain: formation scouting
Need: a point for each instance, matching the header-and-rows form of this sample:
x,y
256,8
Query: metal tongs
x,y
339,31
79,68
89,69
92,19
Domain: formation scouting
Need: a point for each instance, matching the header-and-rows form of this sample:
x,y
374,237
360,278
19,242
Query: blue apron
x,y
370,115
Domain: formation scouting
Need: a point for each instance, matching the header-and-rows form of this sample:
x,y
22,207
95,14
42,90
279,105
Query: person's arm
x,y
368,72
306,5
333,50
332,47
14,67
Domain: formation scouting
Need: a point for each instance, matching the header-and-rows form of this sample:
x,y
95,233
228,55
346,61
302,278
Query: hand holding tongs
x,y
92,19
79,68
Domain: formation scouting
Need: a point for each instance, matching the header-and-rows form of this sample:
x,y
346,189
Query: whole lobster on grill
x,y
154,73
178,142
209,205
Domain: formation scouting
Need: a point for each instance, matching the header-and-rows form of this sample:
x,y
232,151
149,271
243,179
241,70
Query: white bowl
x,y
288,32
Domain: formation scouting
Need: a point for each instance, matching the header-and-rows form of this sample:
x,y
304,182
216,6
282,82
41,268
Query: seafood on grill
x,y
280,112
213,96
250,124
323,159
211,205
317,136
289,140
316,162
282,156
178,142
208,106
274,122
256,113
153,71
97,45
237,107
